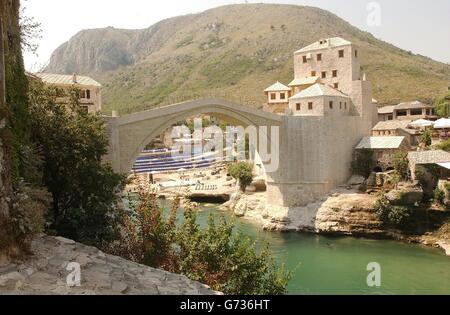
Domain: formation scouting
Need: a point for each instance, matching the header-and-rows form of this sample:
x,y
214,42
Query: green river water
x,y
325,265
338,265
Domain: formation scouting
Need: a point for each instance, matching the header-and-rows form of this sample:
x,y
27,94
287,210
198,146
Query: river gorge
x,y
329,265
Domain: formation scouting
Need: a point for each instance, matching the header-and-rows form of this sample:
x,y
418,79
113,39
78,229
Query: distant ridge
x,y
236,51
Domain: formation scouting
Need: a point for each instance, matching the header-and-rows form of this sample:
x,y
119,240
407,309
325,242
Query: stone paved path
x,y
101,274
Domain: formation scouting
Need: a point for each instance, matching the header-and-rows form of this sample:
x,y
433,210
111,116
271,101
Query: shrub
x,y
428,178
401,164
396,216
444,145
243,172
26,219
427,138
439,196
443,106
363,163
216,256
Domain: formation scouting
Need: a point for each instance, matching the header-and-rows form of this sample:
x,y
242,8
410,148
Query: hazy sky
x,y
422,26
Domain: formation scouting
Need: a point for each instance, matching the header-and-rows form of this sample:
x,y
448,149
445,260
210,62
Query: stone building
x,y
407,111
327,80
430,157
330,110
278,98
90,90
384,149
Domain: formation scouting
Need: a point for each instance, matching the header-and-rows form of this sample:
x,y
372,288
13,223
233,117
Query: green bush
x,y
401,164
439,196
443,106
25,221
428,177
243,172
427,138
397,216
363,163
227,262
444,145
83,189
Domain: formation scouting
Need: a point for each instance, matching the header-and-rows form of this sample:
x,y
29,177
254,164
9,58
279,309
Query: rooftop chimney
x,y
74,78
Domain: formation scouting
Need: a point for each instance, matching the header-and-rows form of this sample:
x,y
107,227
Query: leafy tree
x,y
443,105
228,262
82,188
401,164
427,138
364,162
243,172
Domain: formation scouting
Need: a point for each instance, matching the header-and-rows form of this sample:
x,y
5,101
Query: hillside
x,y
235,52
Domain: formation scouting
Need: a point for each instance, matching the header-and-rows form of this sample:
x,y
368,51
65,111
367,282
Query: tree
x,y
442,105
216,256
401,164
243,172
427,138
82,188
364,162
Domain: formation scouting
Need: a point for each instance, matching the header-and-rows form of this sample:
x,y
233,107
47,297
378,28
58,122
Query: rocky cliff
x,y
56,260
232,51
344,212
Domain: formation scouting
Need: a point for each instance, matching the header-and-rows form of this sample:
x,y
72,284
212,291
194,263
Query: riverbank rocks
x,y
407,195
57,259
349,214
445,246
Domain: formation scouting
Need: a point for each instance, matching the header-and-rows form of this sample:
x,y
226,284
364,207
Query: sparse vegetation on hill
x,y
234,52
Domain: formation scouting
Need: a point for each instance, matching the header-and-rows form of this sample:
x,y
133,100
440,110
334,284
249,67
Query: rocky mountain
x,y
235,52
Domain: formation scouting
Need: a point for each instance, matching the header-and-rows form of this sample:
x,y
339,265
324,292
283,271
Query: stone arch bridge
x,y
130,134
315,153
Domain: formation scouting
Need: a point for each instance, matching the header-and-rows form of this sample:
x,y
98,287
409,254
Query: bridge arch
x,y
130,134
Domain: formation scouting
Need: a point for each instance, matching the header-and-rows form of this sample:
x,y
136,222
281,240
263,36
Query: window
x,y
341,53
402,113
313,73
345,105
83,94
390,117
299,106
85,109
356,53
331,104
336,86
416,112
305,60
340,105
88,94
324,75
283,96
273,96
335,73
310,105
319,57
